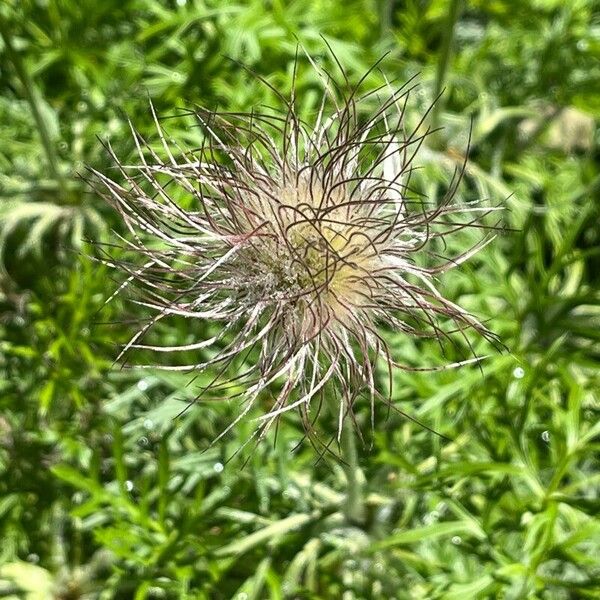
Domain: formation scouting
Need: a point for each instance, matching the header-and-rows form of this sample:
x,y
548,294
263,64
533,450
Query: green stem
x,y
354,509
33,99
444,58
386,16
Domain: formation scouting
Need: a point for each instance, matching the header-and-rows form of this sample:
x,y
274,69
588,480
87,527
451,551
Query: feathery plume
x,y
303,240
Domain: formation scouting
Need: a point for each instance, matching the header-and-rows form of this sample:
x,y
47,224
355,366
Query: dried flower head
x,y
305,237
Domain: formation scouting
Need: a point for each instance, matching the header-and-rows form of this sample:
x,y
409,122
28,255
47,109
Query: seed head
x,y
303,239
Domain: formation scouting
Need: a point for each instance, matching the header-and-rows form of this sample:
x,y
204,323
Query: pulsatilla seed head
x,y
302,240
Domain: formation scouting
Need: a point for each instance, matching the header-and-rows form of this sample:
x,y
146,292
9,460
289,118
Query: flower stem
x,y
33,99
354,509
444,58
386,16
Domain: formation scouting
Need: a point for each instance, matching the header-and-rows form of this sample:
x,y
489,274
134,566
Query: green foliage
x,y
110,489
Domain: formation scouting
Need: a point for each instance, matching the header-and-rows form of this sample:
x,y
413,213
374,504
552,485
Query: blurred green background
x,y
103,494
